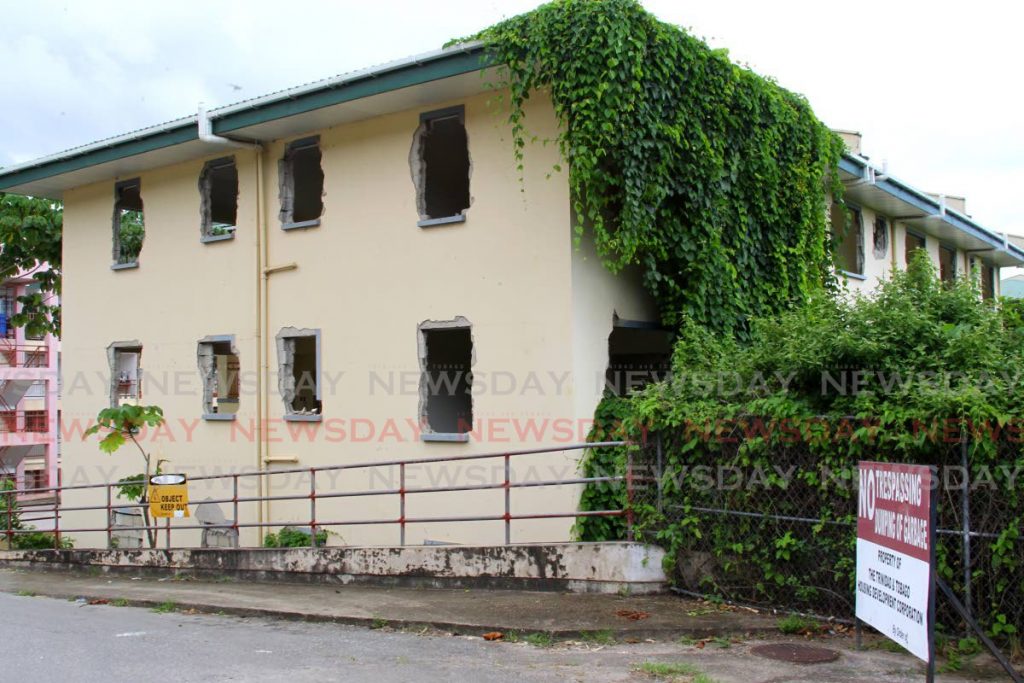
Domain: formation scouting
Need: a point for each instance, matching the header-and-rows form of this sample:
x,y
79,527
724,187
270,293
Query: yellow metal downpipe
x,y
261,233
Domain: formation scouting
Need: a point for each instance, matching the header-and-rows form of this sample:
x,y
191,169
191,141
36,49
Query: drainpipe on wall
x,y
206,134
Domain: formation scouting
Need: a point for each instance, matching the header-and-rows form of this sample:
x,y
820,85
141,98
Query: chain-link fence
x,y
779,529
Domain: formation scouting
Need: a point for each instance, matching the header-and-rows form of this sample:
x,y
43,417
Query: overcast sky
x,y
935,87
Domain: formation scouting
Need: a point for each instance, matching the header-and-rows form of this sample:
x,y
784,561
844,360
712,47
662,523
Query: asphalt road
x,y
45,639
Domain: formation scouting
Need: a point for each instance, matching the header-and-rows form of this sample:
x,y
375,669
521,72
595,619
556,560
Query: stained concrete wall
x,y
576,567
365,277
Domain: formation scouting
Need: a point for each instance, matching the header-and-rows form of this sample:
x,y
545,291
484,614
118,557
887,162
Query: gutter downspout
x,y
206,134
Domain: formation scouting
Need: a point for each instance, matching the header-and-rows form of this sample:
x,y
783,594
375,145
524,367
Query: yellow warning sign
x,y
168,495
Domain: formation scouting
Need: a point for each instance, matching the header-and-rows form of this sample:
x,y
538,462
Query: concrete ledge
x,y
573,567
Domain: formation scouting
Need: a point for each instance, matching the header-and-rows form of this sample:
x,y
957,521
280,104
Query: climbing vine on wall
x,y
708,176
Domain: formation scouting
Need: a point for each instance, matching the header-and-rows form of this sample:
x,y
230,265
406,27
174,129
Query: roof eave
x,y
999,249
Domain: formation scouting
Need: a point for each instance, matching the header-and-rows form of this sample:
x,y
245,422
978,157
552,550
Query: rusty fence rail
x,y
9,504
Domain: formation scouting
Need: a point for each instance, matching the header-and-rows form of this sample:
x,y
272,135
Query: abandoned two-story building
x,y
354,271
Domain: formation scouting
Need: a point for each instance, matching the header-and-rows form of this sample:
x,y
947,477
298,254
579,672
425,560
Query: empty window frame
x,y
947,263
218,199
129,223
219,369
446,380
639,354
125,360
35,478
912,243
880,238
848,236
301,181
298,358
441,167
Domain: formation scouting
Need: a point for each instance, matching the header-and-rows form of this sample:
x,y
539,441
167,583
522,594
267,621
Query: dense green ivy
x,y
711,178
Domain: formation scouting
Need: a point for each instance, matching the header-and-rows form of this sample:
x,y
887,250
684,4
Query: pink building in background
x,y
29,395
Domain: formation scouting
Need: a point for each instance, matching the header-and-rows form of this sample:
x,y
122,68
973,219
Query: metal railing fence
x,y
315,494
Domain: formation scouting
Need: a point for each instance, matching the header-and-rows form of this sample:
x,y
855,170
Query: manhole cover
x,y
796,653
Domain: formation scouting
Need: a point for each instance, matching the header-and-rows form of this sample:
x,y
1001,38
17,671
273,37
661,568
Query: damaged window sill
x,y
299,225
444,437
205,239
124,266
303,418
219,417
431,222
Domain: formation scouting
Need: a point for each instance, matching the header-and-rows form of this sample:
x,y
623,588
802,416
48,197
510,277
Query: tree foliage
x,y
30,232
712,178
120,425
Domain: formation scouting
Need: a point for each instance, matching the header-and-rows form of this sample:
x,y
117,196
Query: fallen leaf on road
x,y
99,601
631,614
494,635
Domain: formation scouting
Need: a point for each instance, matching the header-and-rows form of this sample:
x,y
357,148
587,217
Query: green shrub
x,y
290,537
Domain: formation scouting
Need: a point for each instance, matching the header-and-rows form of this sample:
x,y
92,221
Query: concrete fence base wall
x,y
576,567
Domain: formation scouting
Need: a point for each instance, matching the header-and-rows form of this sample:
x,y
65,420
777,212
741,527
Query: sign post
x,y
896,555
168,495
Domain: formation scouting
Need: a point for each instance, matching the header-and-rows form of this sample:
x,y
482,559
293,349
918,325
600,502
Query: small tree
x,y
121,425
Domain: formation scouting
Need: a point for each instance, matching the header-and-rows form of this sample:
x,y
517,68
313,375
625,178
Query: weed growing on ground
x,y
166,607
794,624
603,637
539,639
674,670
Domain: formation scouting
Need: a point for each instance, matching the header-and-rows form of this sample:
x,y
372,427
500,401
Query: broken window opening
x,y
218,191
125,360
298,357
446,377
988,280
847,234
219,368
881,238
441,166
129,222
912,243
947,263
638,354
301,180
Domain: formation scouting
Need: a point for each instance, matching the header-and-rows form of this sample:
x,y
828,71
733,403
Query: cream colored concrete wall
x,y
599,296
365,277
182,291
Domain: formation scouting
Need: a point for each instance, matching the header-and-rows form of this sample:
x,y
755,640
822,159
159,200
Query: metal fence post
x,y
508,499
312,507
167,533
658,473
110,516
56,513
401,503
9,499
629,494
234,506
966,514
